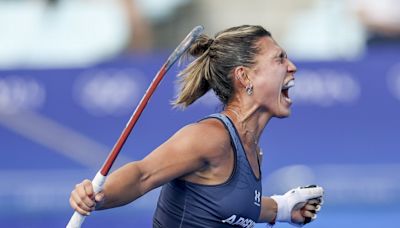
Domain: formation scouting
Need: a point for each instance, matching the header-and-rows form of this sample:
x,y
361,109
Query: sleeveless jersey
x,y
234,203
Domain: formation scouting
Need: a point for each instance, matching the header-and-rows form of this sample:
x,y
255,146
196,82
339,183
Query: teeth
x,y
288,99
288,85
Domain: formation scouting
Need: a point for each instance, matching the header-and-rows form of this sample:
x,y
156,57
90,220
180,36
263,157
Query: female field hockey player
x,y
210,170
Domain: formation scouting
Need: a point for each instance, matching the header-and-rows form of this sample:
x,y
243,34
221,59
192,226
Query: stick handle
x,y
77,219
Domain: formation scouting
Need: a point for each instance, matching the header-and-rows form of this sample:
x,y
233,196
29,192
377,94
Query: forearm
x,y
123,186
269,209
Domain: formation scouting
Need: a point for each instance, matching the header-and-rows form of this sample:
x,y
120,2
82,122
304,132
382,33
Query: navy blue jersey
x,y
237,202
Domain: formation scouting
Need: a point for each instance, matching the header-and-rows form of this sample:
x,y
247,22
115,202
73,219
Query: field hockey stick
x,y
98,181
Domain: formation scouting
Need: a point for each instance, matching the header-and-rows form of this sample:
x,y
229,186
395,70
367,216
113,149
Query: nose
x,y
291,67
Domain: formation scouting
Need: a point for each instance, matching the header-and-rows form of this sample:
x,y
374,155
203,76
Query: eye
x,y
282,57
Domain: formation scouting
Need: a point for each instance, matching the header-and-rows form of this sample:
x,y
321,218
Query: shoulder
x,y
208,137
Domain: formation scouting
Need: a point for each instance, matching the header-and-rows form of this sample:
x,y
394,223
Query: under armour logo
x,y
257,197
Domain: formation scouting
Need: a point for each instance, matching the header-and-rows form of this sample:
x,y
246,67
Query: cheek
x,y
269,86
267,91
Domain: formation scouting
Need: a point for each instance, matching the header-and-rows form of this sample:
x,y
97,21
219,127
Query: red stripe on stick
x,y
132,121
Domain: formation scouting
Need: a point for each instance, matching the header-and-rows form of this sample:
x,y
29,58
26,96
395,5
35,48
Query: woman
x,y
210,170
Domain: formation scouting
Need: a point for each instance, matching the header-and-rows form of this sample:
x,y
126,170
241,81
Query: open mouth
x,y
285,89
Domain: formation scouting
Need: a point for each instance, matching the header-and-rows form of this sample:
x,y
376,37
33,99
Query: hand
x,y
83,199
304,213
300,205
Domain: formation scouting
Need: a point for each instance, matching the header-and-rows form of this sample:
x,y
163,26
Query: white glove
x,y
290,199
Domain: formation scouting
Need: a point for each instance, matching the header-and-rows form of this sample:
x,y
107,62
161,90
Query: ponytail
x,y
194,79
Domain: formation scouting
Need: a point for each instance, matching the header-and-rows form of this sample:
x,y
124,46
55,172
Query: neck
x,y
250,121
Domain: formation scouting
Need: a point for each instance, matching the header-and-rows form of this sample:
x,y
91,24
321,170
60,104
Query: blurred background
x,y
72,72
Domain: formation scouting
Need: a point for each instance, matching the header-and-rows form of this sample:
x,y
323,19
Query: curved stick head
x,y
184,45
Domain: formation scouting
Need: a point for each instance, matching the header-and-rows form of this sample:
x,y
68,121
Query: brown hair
x,y
215,59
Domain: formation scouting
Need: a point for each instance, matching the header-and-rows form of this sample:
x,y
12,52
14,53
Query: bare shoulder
x,y
208,137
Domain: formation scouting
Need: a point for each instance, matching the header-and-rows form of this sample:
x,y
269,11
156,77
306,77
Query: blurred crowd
x,y
71,33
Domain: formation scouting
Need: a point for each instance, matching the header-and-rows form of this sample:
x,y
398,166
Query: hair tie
x,y
210,42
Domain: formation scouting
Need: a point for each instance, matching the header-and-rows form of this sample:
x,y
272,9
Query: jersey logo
x,y
239,221
257,198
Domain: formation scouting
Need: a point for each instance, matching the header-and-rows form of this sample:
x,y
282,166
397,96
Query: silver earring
x,y
249,89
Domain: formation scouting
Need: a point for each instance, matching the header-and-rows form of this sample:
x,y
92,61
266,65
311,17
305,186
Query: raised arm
x,y
188,151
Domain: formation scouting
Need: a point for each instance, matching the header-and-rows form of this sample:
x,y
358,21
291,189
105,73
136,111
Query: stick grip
x,y
77,219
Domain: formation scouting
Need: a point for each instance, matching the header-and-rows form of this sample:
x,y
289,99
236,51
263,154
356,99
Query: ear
x,y
240,75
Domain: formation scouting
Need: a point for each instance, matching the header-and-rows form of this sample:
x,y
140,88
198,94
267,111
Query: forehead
x,y
269,47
